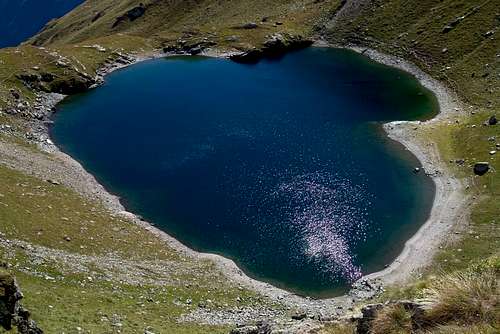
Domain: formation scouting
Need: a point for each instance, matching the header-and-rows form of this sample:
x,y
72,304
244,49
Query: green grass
x,y
39,212
63,306
35,213
394,319
170,20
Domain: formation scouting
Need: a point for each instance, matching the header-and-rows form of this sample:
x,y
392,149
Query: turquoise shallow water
x,y
281,166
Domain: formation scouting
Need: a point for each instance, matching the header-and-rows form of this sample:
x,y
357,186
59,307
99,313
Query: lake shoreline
x,y
448,194
450,207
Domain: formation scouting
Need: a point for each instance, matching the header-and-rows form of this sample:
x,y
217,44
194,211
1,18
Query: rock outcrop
x,y
481,168
190,48
131,15
275,45
12,314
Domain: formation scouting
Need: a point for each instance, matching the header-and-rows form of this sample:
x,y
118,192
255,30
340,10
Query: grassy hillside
x,y
68,283
166,20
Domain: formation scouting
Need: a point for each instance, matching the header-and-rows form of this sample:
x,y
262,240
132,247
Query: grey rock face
x,y
11,312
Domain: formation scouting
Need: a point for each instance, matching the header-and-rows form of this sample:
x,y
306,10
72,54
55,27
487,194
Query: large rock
x,y
259,328
493,120
275,45
131,15
369,312
280,43
10,295
481,168
250,25
248,57
11,312
71,85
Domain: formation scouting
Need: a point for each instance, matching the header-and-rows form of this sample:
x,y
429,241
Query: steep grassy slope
x,y
170,19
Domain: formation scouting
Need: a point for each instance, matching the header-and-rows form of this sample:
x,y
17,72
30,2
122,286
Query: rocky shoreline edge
x,y
450,208
418,250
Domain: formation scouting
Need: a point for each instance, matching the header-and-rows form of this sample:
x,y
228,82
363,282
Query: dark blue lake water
x,y
22,19
282,166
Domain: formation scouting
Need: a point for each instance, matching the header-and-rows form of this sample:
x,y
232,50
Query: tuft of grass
x,y
475,329
394,319
466,298
338,328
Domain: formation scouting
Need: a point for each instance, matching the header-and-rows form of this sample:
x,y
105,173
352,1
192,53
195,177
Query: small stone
x,y
53,182
299,315
493,152
250,25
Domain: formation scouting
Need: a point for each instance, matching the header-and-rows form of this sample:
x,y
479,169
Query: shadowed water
x,y
22,19
281,166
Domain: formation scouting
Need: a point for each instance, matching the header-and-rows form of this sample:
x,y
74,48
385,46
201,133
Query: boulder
x,y
369,312
11,312
248,57
259,328
245,330
280,43
493,120
299,315
15,94
250,25
481,168
10,295
274,45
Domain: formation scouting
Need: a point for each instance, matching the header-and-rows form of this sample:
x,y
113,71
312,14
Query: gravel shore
x,y
450,208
